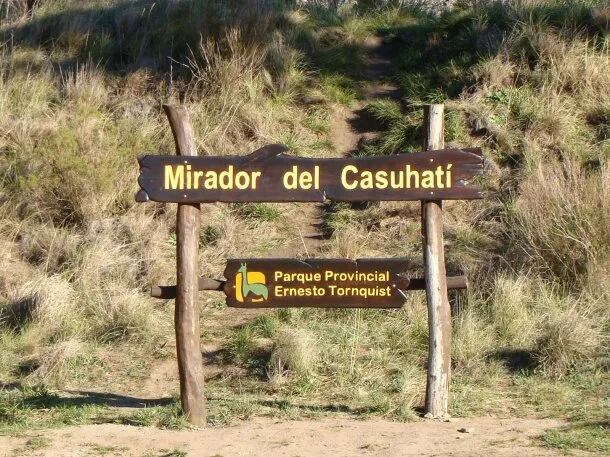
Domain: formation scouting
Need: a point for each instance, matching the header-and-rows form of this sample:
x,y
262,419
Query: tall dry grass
x,y
562,219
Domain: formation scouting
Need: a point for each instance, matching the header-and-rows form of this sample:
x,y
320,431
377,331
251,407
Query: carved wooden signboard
x,y
322,283
268,175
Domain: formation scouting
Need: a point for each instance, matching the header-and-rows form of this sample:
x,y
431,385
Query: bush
x,y
561,219
294,352
570,338
47,301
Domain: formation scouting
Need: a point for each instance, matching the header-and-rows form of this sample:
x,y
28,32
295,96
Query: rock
x,y
480,125
311,100
465,430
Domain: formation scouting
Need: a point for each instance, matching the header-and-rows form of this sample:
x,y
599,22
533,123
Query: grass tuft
x,y
294,353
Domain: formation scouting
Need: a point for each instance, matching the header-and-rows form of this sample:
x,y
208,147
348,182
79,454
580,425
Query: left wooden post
x,y
186,317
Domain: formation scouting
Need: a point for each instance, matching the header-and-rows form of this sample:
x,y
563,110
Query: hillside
x,y
81,97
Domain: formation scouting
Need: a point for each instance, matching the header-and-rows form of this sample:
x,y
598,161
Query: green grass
x,y
209,235
384,354
105,450
586,436
260,212
318,120
39,409
159,416
339,89
37,443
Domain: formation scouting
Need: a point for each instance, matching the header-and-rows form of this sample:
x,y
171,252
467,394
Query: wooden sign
x,y
268,175
319,283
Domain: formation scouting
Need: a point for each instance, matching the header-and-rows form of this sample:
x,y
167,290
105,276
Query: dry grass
x,y
472,342
512,311
562,218
569,338
294,353
72,131
48,301
52,361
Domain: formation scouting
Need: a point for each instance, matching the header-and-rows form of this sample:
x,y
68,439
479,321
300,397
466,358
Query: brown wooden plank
x,y
439,312
269,175
190,363
320,283
169,292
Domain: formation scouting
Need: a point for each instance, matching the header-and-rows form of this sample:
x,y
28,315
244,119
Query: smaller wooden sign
x,y
318,283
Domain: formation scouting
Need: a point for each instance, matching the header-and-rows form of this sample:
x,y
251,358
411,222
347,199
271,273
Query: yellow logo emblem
x,y
250,283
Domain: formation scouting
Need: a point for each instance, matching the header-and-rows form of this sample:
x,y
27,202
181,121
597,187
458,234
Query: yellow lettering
x,y
189,177
448,175
410,174
255,175
226,178
348,169
211,180
427,181
242,180
397,184
197,176
381,179
439,177
290,178
174,178
305,180
366,180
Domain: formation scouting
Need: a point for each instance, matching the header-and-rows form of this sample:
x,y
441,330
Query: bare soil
x,y
352,125
266,437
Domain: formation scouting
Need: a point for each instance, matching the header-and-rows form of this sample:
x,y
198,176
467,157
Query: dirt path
x,y
266,437
350,126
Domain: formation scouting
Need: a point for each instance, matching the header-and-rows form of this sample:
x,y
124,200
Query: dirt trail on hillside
x,y
350,126
266,437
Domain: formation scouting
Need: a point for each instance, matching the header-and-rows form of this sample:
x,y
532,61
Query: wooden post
x,y
439,312
186,317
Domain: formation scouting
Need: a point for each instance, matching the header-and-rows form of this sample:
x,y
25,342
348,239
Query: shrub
x,y
569,338
47,301
561,219
294,352
472,340
119,313
52,361
513,315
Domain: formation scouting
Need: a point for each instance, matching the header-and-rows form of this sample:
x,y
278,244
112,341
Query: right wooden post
x,y
439,312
